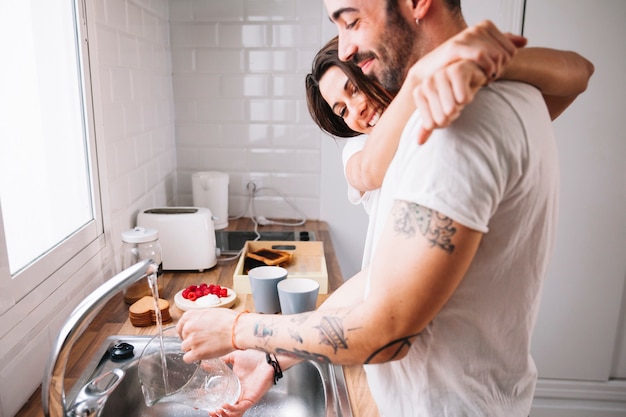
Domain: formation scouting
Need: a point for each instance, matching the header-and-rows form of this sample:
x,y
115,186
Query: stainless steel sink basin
x,y
306,390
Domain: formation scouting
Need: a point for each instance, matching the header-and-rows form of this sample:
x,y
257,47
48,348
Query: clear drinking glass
x,y
205,385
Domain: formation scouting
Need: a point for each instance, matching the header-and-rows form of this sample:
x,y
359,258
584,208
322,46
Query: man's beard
x,y
395,52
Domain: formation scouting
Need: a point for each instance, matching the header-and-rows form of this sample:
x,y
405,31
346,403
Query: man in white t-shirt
x,y
491,177
458,245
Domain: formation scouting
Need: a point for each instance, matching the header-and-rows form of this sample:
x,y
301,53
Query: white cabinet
x,y
577,334
579,343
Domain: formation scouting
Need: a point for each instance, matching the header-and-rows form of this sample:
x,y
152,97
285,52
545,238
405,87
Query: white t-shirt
x,y
495,171
368,199
352,146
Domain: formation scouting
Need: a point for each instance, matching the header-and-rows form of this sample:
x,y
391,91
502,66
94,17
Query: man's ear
x,y
420,8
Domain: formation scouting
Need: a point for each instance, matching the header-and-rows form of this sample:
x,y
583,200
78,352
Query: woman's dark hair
x,y
320,111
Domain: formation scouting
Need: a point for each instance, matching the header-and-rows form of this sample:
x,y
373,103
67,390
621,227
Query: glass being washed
x,y
205,385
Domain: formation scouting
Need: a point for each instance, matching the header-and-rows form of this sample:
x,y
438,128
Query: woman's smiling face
x,y
347,102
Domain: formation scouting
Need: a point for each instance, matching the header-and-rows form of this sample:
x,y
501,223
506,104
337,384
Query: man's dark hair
x,y
453,5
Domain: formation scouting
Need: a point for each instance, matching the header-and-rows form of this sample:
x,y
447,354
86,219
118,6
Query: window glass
x,y
45,186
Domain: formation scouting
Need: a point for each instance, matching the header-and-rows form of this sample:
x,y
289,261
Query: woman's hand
x,y
441,96
483,44
446,79
256,377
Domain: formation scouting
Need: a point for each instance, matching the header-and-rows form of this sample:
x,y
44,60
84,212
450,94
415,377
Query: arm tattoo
x,y
435,227
331,333
391,350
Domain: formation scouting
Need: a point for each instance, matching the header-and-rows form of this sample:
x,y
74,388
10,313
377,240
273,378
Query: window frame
x,y
59,263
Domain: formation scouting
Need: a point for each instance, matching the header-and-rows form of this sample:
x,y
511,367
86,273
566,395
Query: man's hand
x,y
206,333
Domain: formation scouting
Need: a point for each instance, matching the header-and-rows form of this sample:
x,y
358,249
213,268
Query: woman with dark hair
x,y
345,103
320,111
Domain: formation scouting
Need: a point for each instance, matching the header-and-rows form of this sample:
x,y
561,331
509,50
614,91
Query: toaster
x,y
186,236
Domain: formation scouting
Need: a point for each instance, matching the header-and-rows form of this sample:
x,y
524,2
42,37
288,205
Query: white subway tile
x,y
295,35
272,110
311,11
272,60
198,134
288,85
187,157
107,47
284,110
196,86
133,122
197,34
115,11
270,10
219,61
296,136
260,111
149,115
143,148
135,20
244,86
243,36
233,159
246,135
152,28
298,184
305,58
121,85
112,120
183,60
181,10
185,110
231,10
137,184
220,110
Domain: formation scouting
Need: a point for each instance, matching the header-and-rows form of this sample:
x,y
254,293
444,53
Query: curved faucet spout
x,y
52,387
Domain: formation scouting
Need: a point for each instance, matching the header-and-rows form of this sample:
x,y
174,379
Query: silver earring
x,y
417,21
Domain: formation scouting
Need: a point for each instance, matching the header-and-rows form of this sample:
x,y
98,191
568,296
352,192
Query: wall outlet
x,y
250,184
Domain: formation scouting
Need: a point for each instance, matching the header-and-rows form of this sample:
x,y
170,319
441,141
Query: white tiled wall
x,y
238,73
134,108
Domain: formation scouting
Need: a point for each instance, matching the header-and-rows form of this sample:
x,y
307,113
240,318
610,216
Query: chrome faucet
x,y
52,387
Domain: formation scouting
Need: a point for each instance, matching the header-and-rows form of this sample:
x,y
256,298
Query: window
x,y
50,212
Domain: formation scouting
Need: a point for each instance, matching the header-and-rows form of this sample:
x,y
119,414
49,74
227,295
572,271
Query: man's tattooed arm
x,y
411,218
322,336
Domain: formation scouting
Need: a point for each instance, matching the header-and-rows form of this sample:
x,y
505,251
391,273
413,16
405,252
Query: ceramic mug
x,y
298,295
263,282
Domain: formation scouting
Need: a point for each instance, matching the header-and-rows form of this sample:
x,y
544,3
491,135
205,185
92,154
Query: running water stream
x,y
152,281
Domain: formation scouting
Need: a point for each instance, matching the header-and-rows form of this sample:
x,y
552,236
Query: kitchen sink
x,y
230,242
308,389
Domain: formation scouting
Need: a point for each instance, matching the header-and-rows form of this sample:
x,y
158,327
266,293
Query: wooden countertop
x,y
113,318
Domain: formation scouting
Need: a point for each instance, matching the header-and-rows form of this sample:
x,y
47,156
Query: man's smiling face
x,y
378,40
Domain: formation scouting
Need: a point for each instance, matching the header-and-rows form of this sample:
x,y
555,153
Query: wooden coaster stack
x,y
142,314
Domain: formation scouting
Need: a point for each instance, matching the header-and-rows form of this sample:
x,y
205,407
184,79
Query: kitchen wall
x,y
134,108
238,79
